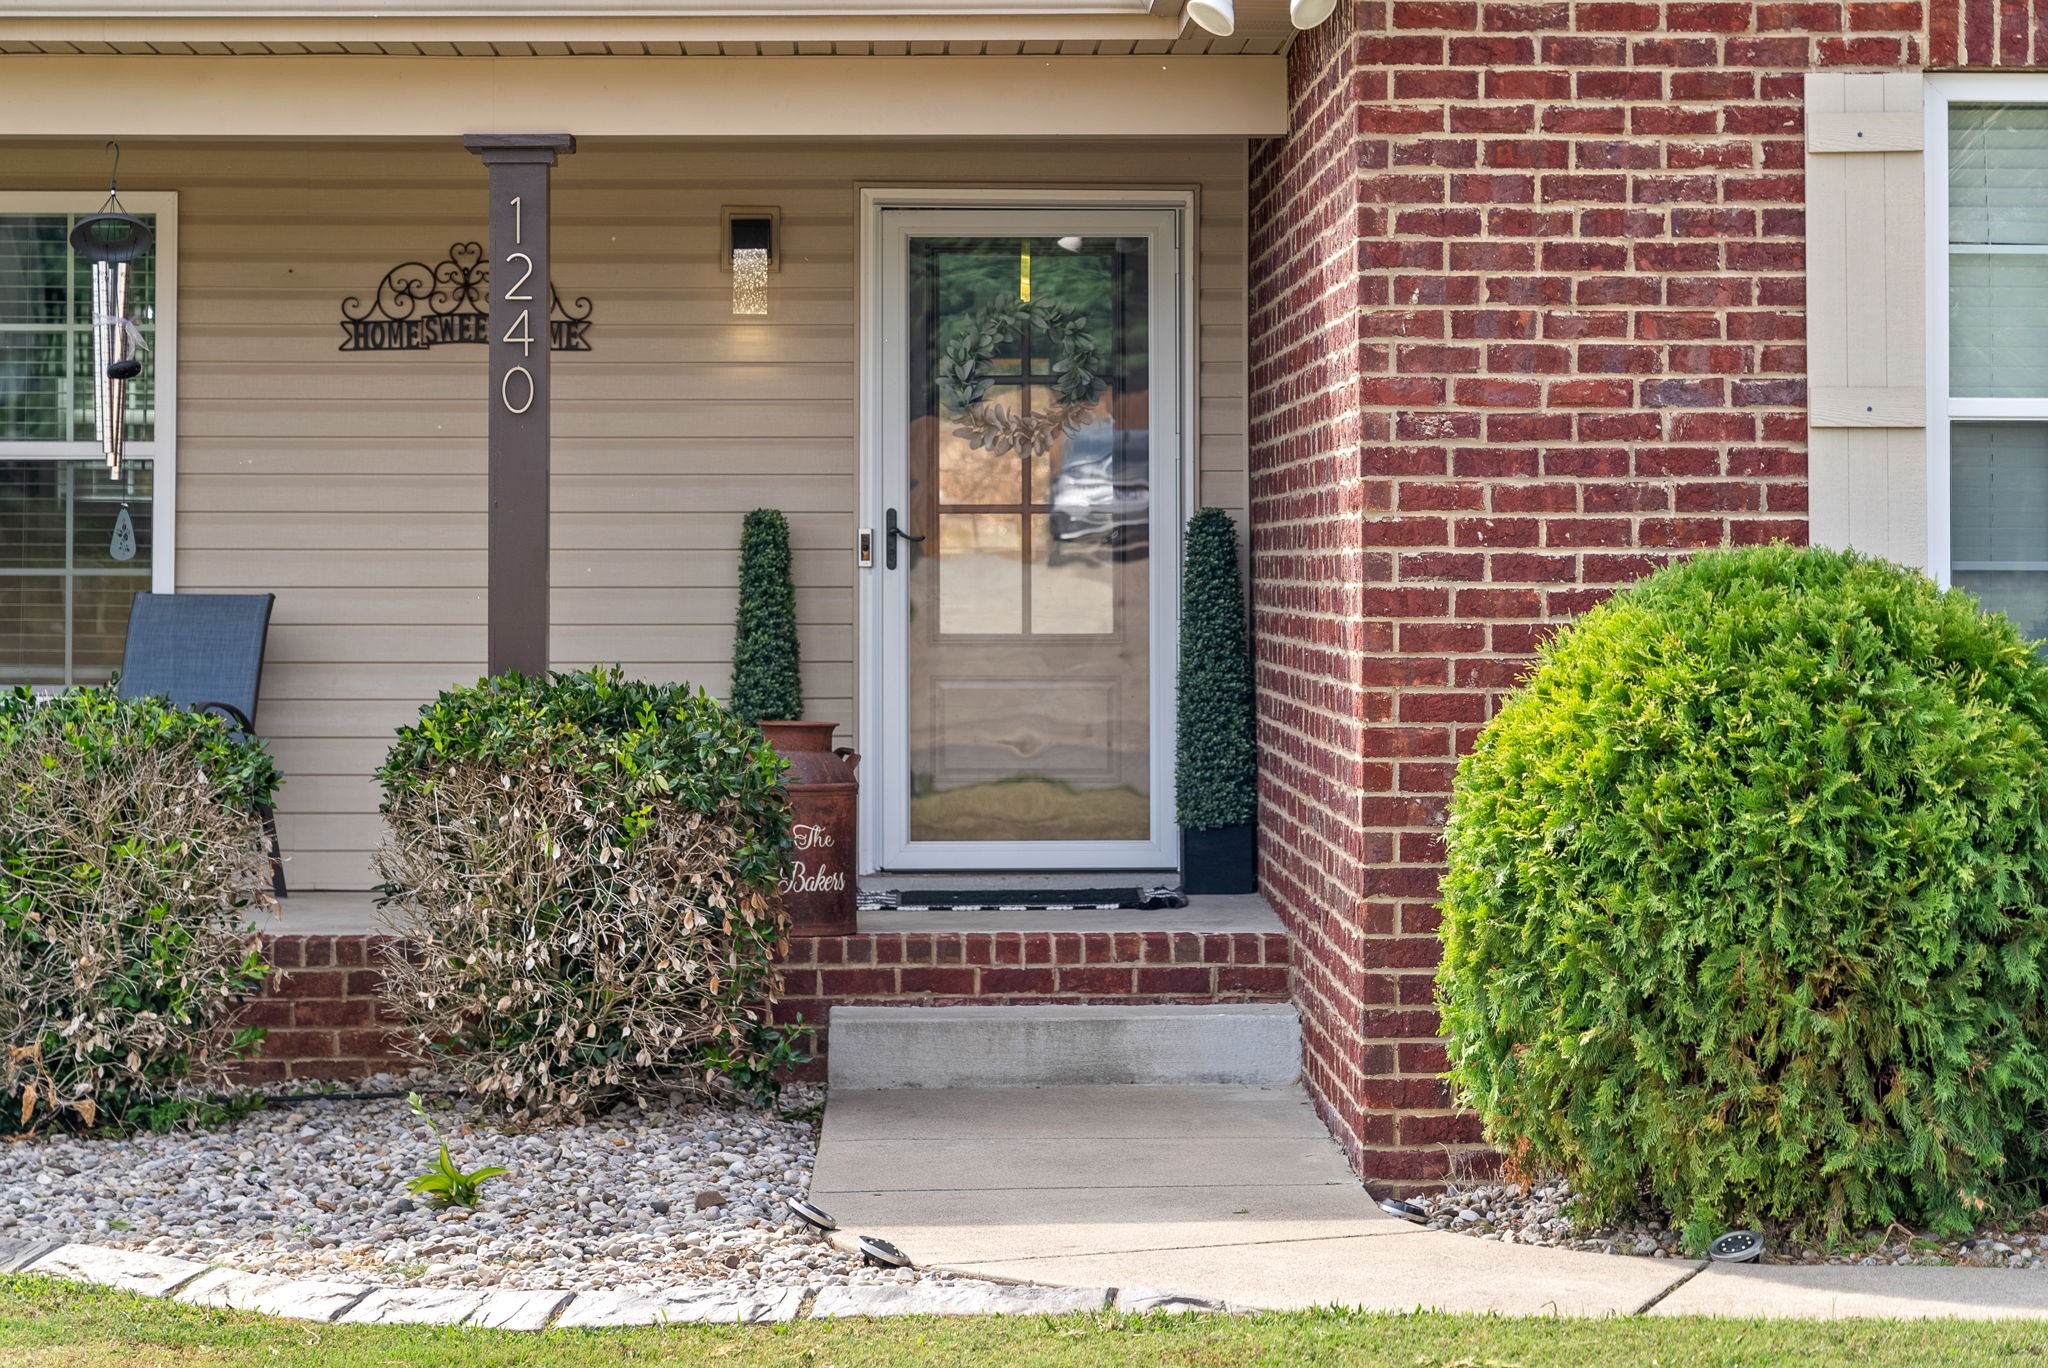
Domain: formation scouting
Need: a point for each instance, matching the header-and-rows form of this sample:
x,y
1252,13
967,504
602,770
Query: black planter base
x,y
1225,860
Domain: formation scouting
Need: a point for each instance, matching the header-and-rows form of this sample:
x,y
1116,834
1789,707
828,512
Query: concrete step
x,y
1238,1043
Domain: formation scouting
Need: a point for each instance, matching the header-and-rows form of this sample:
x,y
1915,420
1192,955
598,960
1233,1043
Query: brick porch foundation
x,y
324,1020
963,968
321,1010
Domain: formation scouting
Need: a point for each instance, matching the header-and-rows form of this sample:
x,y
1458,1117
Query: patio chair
x,y
204,652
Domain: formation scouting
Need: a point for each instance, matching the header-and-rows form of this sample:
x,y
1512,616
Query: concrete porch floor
x,y
1239,1195
352,913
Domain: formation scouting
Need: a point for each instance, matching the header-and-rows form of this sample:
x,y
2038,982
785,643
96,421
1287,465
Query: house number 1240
x,y
519,380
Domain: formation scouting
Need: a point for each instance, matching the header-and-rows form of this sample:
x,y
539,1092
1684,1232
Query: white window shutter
x,y
1866,313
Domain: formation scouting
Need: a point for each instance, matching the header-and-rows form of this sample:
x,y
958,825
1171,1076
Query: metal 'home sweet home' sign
x,y
418,306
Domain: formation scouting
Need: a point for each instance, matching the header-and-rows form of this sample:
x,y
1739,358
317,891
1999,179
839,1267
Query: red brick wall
x,y
1307,542
320,1009
1986,33
927,969
1525,325
324,1019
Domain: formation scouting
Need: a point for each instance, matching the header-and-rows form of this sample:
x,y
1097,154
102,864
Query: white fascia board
x,y
578,9
356,98
490,25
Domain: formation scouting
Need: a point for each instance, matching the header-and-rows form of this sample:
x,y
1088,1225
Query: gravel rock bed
x,y
682,1193
1540,1214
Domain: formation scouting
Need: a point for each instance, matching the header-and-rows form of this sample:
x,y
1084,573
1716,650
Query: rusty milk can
x,y
818,885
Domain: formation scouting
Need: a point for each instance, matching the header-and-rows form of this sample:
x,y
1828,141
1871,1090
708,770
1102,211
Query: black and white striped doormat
x,y
1018,899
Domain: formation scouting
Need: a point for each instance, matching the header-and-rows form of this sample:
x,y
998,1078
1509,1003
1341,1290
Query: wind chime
x,y
112,240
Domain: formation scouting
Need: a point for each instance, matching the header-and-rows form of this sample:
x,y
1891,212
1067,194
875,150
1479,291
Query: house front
x,y
1468,313
474,337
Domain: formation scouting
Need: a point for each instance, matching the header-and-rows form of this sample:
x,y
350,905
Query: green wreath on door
x,y
967,373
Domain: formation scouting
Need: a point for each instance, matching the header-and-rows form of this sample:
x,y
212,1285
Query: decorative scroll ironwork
x,y
418,306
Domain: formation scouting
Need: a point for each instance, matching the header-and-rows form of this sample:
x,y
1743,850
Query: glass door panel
x,y
1027,652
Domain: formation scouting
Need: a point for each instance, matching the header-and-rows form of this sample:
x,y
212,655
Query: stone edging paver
x,y
343,1303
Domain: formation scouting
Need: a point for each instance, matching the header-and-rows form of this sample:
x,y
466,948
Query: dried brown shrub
x,y
130,856
590,900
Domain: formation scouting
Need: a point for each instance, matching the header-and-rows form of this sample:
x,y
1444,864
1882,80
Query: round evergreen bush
x,y
585,867
1747,907
131,853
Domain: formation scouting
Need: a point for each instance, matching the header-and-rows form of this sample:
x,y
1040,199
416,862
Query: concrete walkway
x,y
1239,1195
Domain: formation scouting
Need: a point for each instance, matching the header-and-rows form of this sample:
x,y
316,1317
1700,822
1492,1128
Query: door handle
x,y
891,534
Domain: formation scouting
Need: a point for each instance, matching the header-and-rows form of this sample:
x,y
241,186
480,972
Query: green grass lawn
x,y
50,1323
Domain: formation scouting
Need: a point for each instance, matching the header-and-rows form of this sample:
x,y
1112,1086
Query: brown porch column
x,y
516,599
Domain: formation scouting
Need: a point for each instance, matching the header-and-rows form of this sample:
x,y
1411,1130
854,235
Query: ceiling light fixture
x,y
1217,16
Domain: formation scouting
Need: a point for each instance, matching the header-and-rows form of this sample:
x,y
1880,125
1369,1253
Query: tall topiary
x,y
766,681
1747,905
1216,763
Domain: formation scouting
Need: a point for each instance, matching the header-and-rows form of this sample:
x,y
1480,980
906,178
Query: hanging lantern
x,y
112,239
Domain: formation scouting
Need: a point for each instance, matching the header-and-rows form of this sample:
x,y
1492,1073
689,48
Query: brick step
x,y
1038,966
321,1009
822,976
1181,1044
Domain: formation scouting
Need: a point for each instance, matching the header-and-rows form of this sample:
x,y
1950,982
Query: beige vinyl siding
x,y
352,484
1866,264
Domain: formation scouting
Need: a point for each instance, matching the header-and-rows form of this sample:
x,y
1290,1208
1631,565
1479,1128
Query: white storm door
x,y
1029,461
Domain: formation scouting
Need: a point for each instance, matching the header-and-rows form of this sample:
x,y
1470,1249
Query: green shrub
x,y
1748,901
585,867
1216,765
130,854
766,682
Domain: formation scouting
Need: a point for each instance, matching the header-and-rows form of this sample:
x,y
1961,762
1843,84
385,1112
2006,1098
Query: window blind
x,y
75,545
1998,506
1998,251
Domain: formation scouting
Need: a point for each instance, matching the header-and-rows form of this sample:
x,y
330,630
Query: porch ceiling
x,y
636,28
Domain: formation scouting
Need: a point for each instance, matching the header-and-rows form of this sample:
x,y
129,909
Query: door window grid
x,y
1027,375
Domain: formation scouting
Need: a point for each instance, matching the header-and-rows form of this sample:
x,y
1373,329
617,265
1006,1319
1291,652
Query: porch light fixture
x,y
111,240
1217,16
750,255
1306,14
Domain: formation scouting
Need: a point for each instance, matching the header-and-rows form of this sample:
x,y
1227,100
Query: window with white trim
x,y
76,545
1998,357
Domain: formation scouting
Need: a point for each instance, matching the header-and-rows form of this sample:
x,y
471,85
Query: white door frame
x,y
1164,217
